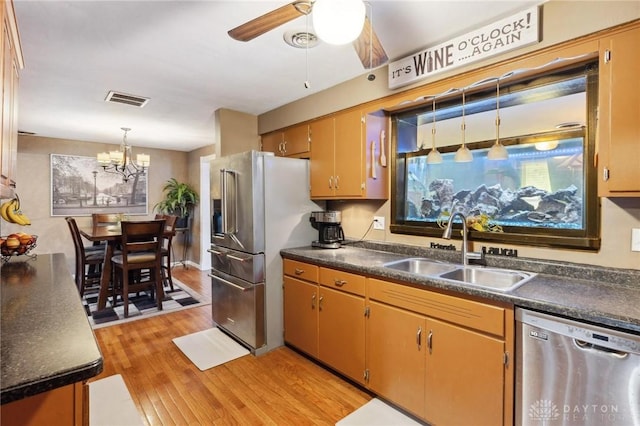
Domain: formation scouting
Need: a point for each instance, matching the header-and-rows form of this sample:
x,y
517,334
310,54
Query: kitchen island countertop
x,y
605,296
46,341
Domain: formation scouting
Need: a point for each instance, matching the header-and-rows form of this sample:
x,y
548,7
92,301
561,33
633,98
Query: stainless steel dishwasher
x,y
573,373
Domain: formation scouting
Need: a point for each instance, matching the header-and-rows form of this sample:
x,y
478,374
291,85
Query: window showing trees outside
x,y
540,188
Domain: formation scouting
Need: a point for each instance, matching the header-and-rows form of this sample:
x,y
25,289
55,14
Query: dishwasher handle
x,y
586,346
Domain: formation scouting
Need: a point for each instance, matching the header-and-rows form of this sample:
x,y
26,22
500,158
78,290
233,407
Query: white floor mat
x,y
377,413
110,403
209,348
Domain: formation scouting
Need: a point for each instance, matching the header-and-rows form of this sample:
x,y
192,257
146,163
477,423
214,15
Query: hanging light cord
x,y
463,126
497,110
433,125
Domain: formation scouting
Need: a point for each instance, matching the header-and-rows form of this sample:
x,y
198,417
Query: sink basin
x,y
420,266
502,279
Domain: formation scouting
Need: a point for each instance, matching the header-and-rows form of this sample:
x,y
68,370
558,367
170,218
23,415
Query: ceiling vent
x,y
123,98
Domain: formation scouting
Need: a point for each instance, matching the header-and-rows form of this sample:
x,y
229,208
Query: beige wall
x,y
34,182
236,132
562,21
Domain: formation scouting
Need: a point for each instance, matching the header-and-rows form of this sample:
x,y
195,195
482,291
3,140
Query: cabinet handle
x,y
337,182
284,147
320,303
313,301
339,283
419,337
330,182
298,271
430,341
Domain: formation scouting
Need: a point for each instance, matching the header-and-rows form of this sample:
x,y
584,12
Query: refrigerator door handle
x,y
229,283
224,187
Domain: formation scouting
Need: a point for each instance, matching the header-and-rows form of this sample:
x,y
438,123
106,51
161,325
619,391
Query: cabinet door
x,y
465,376
349,159
296,140
272,142
341,332
396,356
321,164
301,315
619,115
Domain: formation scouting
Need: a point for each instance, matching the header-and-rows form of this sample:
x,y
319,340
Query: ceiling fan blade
x,y
262,24
363,47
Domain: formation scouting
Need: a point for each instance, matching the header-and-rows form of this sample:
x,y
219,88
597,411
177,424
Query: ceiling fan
x,y
367,45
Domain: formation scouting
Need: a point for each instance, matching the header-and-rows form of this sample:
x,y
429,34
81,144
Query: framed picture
x,y
80,187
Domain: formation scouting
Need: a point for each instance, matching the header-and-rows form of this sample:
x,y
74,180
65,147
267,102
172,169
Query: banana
x,y
10,211
4,208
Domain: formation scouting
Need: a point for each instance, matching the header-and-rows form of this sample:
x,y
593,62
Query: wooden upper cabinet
x,y
346,156
11,55
291,142
272,142
618,136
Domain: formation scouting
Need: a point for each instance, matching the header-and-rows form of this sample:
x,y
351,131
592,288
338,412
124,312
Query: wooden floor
x,y
281,387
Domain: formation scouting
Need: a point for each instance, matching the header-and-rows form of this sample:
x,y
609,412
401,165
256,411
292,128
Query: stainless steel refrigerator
x,y
260,204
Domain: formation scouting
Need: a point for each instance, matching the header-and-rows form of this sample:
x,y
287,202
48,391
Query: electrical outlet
x,y
635,239
378,222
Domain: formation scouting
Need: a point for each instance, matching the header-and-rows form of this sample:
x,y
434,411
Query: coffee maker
x,y
328,225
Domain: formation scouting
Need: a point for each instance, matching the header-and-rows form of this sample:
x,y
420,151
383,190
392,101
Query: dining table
x,y
112,235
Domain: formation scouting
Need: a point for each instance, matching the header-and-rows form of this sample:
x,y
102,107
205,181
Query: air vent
x,y
123,98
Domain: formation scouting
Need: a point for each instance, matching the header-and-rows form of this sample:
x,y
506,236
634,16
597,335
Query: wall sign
x,y
510,33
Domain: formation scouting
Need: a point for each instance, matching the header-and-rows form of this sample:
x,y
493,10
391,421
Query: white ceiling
x,y
178,54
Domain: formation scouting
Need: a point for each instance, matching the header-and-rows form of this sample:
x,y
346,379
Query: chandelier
x,y
121,162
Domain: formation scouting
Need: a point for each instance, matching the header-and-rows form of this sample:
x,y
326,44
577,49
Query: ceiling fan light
x,y
338,21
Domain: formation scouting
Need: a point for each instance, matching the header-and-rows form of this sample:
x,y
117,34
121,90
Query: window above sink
x,y
543,194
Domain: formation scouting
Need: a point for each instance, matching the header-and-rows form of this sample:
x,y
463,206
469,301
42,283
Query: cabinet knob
x,y
339,283
298,271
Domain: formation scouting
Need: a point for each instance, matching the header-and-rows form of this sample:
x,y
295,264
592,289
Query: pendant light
x,y
463,155
497,151
434,156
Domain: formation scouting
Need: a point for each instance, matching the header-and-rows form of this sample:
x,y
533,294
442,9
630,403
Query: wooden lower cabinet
x,y
64,406
464,376
396,359
446,359
341,339
301,315
324,322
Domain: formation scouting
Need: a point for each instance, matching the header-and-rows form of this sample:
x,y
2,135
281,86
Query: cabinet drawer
x,y
350,283
301,270
467,313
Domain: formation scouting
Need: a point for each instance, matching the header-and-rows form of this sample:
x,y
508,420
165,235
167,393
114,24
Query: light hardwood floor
x,y
281,387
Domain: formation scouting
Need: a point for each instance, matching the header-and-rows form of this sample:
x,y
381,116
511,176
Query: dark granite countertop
x,y
599,295
46,340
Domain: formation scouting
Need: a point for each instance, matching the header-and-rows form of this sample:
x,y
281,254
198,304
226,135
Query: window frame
x,y
584,239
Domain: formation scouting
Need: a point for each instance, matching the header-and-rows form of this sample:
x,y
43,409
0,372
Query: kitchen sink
x,y
420,266
497,279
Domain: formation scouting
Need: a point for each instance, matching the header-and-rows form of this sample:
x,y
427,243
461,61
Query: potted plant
x,y
179,200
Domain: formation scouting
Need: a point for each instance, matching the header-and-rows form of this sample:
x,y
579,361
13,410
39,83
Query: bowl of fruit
x,y
17,244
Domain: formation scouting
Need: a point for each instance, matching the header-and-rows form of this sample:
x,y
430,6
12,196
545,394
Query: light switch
x,y
635,239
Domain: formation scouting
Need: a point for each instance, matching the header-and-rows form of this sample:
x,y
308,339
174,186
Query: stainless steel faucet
x,y
447,236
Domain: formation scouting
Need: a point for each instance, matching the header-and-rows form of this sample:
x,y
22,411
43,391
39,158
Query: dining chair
x,y
170,229
105,219
141,251
88,261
